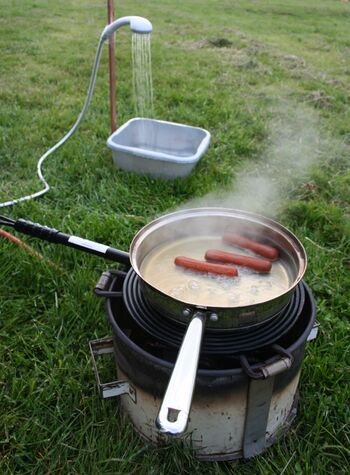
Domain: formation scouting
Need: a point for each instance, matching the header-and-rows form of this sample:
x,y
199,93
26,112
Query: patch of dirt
x,y
319,99
311,186
334,82
232,31
294,61
197,44
220,42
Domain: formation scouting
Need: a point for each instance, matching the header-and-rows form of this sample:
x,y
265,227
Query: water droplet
x,y
193,285
234,299
225,284
177,292
211,291
245,271
254,289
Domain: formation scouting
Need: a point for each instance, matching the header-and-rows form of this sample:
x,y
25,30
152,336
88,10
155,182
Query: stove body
x,y
243,400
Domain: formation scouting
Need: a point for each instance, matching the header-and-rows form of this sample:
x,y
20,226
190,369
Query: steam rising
x,y
293,145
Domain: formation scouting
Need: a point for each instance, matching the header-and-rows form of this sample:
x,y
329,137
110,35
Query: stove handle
x,y
106,281
173,415
266,370
104,346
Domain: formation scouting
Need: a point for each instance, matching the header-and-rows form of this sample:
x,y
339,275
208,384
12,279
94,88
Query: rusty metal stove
x,y
247,383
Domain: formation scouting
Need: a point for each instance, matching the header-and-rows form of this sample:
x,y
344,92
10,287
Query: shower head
x,y
137,24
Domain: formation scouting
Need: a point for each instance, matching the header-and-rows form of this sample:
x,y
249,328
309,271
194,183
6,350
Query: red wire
x,y
25,246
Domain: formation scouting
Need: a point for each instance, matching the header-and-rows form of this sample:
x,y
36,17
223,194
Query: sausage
x,y
202,266
261,249
260,265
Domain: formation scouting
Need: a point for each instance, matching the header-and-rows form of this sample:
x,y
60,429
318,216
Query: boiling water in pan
x,y
250,287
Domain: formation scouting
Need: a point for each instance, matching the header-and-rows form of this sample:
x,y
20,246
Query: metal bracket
x,y
267,370
105,281
114,388
314,331
257,413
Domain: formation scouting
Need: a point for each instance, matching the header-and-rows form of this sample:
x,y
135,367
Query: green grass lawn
x,y
276,99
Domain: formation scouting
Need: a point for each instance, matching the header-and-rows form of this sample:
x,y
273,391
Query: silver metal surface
x,y
104,346
213,317
257,414
175,409
216,428
277,367
314,331
203,221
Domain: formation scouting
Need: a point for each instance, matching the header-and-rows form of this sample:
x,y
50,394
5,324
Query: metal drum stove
x,y
246,390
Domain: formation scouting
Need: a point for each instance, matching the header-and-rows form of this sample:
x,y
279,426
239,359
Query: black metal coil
x,y
215,342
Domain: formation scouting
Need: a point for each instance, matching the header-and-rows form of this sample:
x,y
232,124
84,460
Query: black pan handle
x,y
57,237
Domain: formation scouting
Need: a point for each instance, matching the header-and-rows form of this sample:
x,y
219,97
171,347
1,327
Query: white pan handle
x,y
173,414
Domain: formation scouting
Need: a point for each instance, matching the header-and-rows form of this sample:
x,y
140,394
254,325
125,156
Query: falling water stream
x,y
142,74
